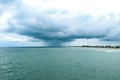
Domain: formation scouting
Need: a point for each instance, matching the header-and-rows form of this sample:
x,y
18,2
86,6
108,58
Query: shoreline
x,y
99,47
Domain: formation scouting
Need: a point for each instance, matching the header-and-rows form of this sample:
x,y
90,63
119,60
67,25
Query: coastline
x,y
99,47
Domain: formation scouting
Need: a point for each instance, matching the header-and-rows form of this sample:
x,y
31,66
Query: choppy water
x,y
61,63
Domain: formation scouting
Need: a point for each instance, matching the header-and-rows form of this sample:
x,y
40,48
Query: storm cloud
x,y
56,26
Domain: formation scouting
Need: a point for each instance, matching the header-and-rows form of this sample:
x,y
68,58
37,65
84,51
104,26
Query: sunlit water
x,y
60,63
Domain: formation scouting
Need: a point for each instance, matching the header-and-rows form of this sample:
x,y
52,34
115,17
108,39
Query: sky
x,y
59,22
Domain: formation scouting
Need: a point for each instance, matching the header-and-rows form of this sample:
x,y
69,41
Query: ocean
x,y
59,63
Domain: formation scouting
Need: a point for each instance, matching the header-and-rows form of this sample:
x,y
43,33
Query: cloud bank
x,y
57,22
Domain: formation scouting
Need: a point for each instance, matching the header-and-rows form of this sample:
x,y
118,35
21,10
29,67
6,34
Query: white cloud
x,y
34,3
80,42
11,39
93,41
4,18
93,7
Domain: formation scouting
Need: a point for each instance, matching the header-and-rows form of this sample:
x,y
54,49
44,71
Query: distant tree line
x,y
107,46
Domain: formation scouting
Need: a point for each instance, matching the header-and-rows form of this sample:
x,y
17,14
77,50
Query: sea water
x,y
59,63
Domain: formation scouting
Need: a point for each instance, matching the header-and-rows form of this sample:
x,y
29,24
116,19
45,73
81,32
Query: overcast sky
x,y
59,22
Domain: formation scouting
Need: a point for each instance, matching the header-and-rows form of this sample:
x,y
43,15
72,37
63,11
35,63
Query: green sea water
x,y
59,63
